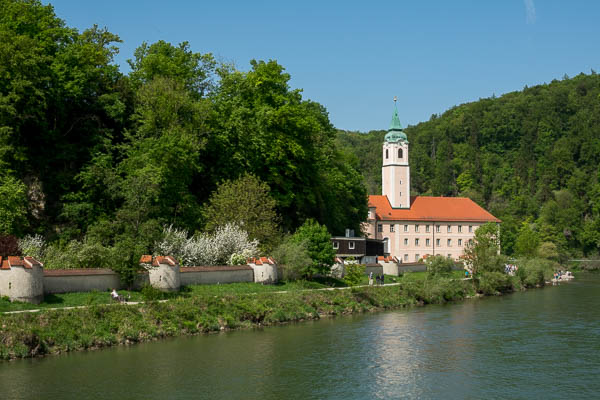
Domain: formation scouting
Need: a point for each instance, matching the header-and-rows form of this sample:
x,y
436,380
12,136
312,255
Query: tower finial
x,y
395,99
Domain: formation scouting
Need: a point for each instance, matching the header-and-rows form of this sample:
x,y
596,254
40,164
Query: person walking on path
x,y
371,278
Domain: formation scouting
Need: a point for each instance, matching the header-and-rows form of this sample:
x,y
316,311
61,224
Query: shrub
x,y
354,273
150,293
32,246
206,249
293,259
76,254
493,282
535,271
439,266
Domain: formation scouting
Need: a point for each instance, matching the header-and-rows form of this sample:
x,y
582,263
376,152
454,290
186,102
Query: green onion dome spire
x,y
395,133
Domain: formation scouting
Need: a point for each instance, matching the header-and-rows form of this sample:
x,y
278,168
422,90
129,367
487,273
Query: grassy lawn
x,y
95,297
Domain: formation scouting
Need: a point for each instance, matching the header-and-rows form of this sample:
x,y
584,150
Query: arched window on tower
x,y
387,154
399,153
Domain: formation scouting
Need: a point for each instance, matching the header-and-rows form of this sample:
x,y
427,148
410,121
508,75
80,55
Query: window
x,y
449,228
405,241
437,228
427,242
401,181
405,228
417,257
437,242
460,229
470,228
336,245
470,241
370,215
449,255
387,154
351,245
416,241
427,228
449,242
379,228
399,153
406,257
416,228
460,242
391,227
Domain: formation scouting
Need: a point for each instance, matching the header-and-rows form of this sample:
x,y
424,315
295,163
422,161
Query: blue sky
x,y
355,56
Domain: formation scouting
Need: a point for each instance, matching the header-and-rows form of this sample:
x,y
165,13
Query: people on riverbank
x,y
371,278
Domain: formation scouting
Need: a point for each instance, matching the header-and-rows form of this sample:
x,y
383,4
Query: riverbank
x,y
97,326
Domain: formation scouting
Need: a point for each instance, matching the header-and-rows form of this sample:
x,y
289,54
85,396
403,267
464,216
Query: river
x,y
537,344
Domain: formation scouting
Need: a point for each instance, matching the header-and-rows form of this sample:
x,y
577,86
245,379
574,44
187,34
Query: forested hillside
x,y
530,157
90,154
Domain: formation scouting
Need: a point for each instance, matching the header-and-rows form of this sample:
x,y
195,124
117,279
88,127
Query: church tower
x,y
395,173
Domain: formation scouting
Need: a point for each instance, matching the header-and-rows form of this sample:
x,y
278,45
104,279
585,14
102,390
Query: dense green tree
x,y
527,241
161,59
247,203
262,126
13,205
317,241
482,254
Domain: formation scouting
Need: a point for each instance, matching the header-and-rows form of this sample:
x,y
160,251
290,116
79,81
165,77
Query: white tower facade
x,y
395,173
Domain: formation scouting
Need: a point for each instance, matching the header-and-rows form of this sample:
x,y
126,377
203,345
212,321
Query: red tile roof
x,y
14,261
387,259
146,259
433,209
261,261
164,260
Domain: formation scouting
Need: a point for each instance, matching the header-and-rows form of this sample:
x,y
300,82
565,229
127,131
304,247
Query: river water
x,y
537,344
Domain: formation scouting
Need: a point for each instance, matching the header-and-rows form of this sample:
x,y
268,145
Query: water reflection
x,y
542,343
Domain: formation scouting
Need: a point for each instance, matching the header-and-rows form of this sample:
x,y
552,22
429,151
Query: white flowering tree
x,y
229,244
32,246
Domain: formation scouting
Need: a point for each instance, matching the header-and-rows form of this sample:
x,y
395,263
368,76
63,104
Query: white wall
x,y
210,275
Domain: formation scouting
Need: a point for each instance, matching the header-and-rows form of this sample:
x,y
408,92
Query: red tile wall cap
x,y
32,262
164,260
146,259
435,209
15,261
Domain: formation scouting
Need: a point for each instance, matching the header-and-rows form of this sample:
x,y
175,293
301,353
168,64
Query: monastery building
x,y
413,227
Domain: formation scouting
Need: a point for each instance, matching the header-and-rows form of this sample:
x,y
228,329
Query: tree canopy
x,y
92,156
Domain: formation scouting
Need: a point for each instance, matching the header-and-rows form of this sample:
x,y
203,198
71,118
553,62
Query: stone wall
x,y
24,279
216,274
376,269
412,267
